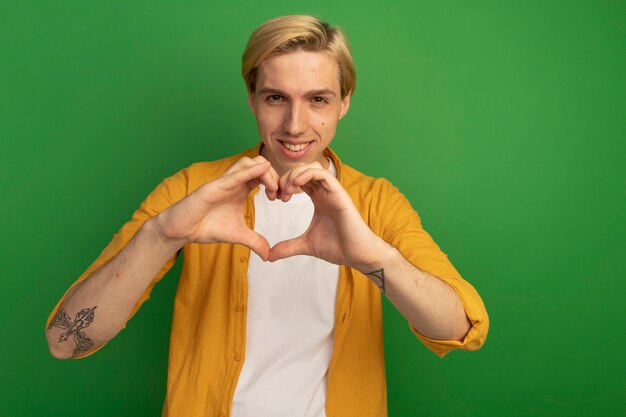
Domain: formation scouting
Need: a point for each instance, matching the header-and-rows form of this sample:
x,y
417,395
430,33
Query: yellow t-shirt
x,y
207,345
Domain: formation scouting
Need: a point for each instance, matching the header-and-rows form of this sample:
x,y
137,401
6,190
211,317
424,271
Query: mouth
x,y
295,150
295,147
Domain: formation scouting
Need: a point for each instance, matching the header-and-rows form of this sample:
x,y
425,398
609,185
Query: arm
x,y
97,308
339,235
430,304
110,293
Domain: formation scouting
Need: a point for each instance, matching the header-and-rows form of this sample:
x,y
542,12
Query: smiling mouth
x,y
295,147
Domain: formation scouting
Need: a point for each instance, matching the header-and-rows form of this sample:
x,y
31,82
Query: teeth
x,y
295,148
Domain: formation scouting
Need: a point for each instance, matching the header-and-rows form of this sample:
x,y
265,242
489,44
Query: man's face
x,y
297,104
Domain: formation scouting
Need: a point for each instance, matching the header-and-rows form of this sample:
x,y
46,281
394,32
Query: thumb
x,y
257,243
287,248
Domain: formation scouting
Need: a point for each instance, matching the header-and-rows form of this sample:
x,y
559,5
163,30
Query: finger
x,y
312,177
271,194
286,181
258,159
298,169
244,162
241,176
283,194
270,181
308,188
287,248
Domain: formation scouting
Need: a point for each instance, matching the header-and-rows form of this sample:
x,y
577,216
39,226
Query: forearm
x,y
430,304
108,295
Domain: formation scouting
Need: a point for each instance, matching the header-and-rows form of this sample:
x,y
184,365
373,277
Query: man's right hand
x,y
214,212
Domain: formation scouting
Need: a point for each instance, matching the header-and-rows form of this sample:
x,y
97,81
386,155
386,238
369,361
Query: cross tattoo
x,y
83,319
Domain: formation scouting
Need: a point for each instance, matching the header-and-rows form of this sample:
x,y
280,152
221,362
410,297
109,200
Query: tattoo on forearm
x,y
83,319
378,278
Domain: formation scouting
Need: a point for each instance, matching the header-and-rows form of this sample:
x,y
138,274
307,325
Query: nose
x,y
295,122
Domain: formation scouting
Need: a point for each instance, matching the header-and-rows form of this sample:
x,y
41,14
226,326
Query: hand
x,y
214,212
337,232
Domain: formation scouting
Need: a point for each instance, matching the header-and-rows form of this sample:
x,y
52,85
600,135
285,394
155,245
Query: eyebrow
x,y
310,93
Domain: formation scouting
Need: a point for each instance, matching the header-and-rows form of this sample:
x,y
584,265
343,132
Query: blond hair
x,y
286,34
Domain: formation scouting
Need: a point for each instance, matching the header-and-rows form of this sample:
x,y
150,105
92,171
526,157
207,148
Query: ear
x,y
251,101
345,105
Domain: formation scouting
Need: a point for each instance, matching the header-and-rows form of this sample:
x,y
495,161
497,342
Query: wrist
x,y
382,255
154,231
375,270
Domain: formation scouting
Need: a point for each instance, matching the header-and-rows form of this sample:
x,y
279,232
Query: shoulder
x,y
363,186
382,205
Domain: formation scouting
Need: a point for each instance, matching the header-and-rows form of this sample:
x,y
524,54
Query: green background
x,y
503,122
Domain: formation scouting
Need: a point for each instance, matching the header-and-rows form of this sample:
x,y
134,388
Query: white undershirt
x,y
291,317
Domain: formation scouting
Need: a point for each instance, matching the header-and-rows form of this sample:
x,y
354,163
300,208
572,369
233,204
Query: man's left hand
x,y
337,233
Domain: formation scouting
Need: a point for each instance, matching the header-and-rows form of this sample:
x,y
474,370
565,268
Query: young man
x,y
278,310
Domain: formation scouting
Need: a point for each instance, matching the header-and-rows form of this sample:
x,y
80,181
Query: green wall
x,y
503,122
